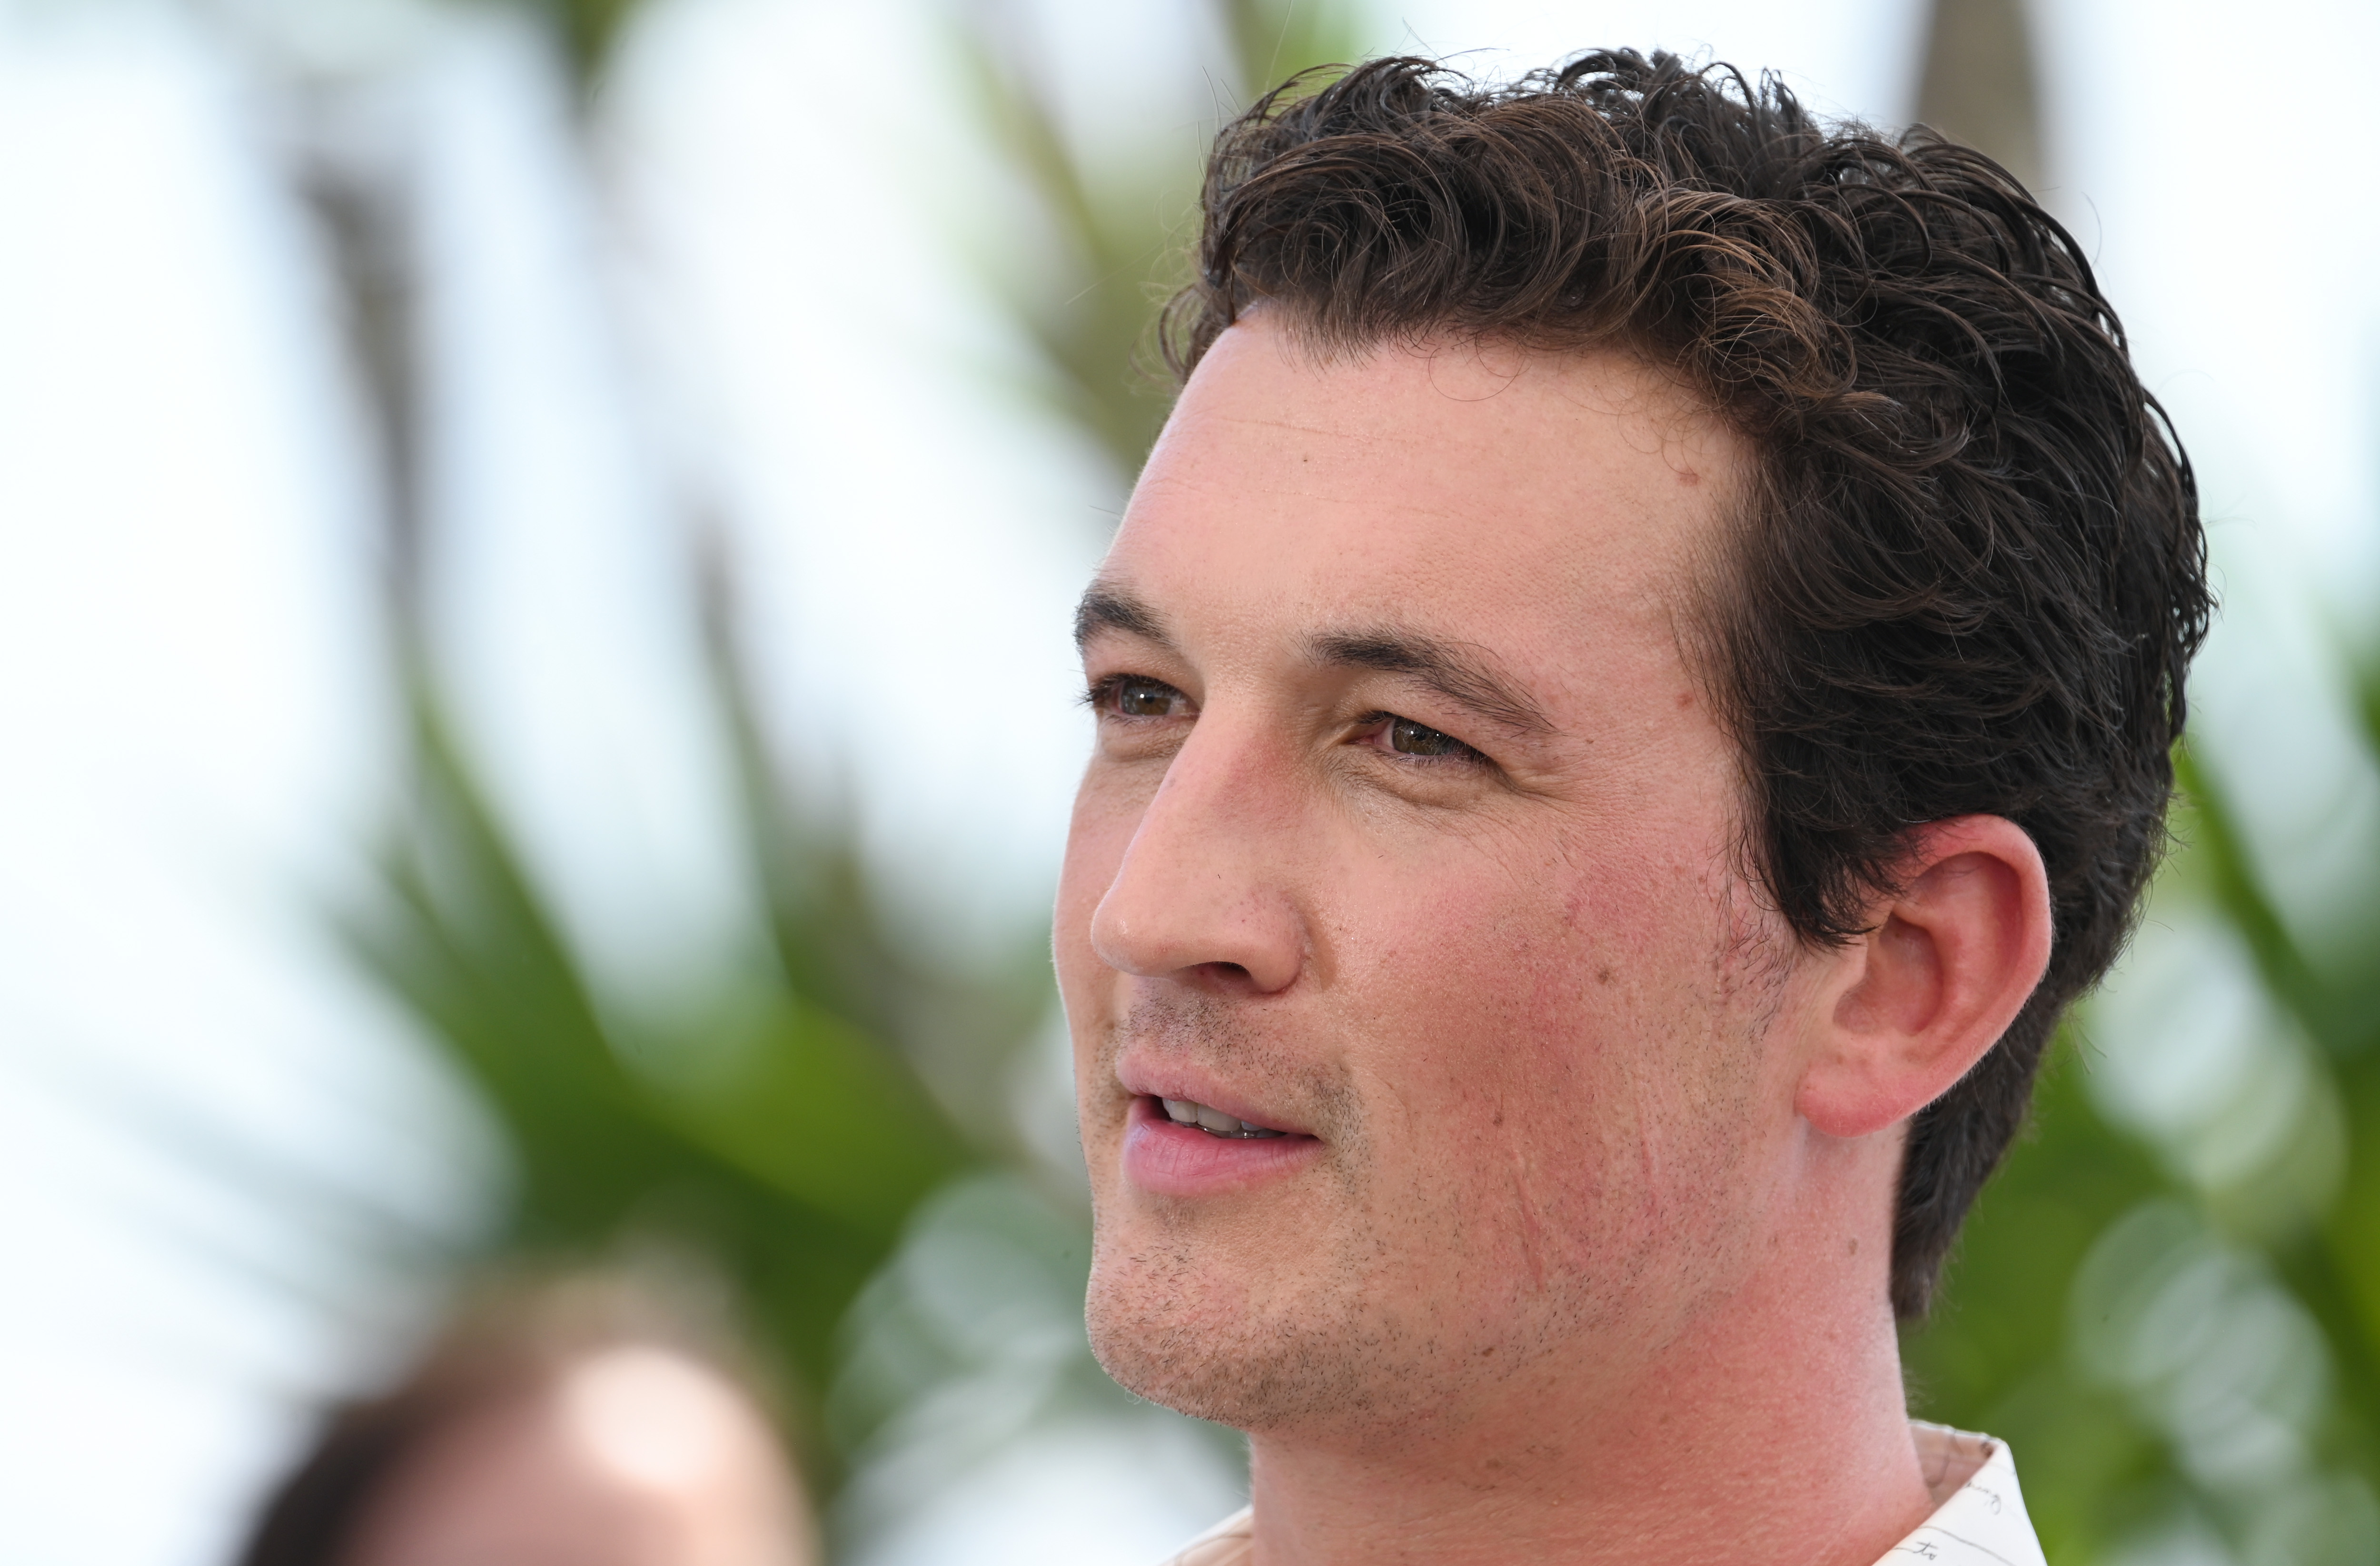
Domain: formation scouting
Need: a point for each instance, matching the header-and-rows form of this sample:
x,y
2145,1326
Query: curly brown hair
x,y
1971,578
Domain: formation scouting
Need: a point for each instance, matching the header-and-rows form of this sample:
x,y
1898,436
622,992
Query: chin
x,y
1152,1359
1196,1338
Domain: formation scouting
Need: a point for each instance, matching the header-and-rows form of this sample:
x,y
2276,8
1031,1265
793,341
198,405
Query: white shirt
x,y
1978,1511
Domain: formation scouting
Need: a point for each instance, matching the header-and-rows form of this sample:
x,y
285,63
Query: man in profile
x,y
1634,690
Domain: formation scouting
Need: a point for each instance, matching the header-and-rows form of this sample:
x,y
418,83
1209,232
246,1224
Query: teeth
x,y
1182,1111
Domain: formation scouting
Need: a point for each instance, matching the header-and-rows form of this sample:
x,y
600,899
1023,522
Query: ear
x,y
1950,961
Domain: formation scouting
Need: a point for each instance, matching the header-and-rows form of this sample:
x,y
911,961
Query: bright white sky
x,y
197,737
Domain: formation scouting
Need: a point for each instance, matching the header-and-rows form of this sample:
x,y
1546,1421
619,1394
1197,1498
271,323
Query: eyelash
x,y
1104,690
1102,693
1460,755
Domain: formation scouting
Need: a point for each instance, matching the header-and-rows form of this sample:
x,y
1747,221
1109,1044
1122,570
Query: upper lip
x,y
1146,1079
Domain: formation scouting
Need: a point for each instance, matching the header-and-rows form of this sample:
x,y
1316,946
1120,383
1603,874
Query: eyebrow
x,y
1104,608
1466,677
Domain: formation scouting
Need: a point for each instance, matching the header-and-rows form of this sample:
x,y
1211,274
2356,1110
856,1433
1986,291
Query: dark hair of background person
x,y
1969,574
513,1341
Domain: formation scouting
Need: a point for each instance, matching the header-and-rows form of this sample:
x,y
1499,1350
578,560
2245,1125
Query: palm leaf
x,y
777,1137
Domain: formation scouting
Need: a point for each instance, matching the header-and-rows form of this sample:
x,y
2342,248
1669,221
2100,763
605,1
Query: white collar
x,y
1978,1511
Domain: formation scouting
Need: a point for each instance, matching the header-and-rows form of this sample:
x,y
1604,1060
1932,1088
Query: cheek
x,y
1486,1015
1553,1028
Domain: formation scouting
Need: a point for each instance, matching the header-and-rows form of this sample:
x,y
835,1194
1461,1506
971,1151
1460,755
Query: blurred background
x,y
535,550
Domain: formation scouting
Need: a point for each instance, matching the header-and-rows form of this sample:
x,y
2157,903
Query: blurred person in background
x,y
1636,687
572,1423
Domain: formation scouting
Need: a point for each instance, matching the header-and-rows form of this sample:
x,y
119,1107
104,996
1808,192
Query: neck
x,y
1773,1428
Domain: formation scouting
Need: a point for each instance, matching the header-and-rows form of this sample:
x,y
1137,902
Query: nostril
x,y
1239,980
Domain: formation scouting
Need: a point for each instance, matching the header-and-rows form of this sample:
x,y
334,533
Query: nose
x,y
1202,894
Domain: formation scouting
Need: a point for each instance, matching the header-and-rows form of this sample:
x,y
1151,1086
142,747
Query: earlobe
x,y
1949,963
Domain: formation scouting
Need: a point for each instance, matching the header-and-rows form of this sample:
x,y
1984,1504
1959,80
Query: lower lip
x,y
1170,1159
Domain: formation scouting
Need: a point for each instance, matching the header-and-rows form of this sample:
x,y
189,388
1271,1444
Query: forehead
x,y
1473,491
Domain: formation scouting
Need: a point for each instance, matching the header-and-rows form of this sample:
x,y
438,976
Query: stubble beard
x,y
1328,1342
1316,1336
1178,1312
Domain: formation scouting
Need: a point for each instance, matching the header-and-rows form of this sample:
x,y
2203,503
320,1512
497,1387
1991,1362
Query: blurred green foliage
x,y
774,1130
587,31
764,1126
1118,232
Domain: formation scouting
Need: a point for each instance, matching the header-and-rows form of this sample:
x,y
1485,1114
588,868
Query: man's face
x,y
1408,835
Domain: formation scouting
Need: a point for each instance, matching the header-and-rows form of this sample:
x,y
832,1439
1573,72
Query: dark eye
x,y
1134,698
1409,738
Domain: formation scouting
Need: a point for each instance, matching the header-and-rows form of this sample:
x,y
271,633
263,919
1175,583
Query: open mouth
x,y
1180,1147
1213,1122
